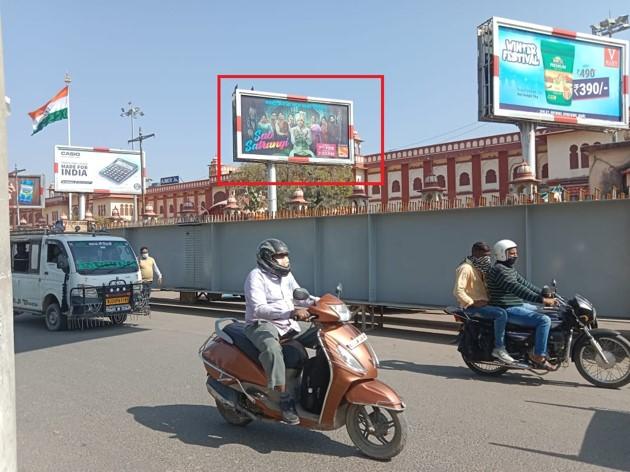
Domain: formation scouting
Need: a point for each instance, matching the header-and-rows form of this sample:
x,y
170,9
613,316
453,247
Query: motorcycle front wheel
x,y
612,374
377,432
486,369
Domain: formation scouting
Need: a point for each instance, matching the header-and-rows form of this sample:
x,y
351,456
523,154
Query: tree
x,y
254,198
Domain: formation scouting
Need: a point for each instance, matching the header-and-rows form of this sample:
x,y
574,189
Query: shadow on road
x,y
202,425
30,333
460,372
605,442
424,336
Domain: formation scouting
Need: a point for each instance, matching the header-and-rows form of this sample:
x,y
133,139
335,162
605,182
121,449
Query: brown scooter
x,y
336,387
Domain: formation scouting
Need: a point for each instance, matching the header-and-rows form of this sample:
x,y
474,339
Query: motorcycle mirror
x,y
339,289
553,282
301,294
546,291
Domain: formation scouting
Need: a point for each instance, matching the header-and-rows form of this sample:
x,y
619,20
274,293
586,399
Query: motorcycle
x,y
602,356
335,387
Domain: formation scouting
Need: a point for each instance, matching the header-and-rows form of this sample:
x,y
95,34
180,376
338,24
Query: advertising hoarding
x,y
97,170
174,179
536,73
26,190
284,128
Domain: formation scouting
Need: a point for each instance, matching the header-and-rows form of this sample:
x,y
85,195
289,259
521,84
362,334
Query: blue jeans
x,y
526,315
496,314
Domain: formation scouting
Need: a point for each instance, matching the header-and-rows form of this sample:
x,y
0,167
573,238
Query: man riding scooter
x,y
271,316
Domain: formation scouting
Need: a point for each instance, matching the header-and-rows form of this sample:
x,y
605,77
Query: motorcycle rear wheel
x,y
590,365
232,416
485,369
388,437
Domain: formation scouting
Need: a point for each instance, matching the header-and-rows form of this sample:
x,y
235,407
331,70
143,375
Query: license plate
x,y
116,301
361,338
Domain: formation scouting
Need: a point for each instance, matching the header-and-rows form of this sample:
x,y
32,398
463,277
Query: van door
x,y
25,265
53,277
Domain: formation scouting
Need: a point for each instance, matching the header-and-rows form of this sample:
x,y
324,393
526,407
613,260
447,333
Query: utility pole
x,y
8,442
133,113
140,139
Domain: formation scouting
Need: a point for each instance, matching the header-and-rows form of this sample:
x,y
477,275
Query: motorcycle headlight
x,y
342,312
350,360
89,292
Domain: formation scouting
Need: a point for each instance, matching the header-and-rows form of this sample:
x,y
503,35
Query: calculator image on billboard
x,y
119,170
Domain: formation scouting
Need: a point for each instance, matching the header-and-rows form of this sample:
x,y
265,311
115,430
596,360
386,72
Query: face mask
x,y
482,264
145,255
511,261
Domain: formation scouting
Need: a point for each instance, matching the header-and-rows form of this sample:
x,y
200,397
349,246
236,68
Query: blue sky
x,y
164,57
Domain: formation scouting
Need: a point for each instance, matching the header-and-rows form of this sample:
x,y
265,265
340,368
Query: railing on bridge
x,y
372,208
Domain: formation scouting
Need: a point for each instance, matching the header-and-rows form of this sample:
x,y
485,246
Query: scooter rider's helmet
x,y
265,257
501,247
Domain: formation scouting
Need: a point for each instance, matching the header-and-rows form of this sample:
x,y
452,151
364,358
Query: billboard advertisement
x,y
97,170
27,191
542,74
284,128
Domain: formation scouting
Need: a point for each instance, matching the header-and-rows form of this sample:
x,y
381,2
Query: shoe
x,y
287,407
541,362
501,354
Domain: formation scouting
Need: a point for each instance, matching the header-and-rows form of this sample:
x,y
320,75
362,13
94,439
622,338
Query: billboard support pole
x,y
81,206
528,143
272,199
69,206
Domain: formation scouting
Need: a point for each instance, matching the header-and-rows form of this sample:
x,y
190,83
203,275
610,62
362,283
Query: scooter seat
x,y
293,352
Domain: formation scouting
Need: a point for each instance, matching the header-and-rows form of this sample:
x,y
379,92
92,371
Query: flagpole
x,y
67,79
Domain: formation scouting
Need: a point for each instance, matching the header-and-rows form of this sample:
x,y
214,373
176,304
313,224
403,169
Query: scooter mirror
x,y
339,290
301,294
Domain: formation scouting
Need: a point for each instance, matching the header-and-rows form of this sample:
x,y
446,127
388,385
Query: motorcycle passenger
x,y
271,316
510,290
471,294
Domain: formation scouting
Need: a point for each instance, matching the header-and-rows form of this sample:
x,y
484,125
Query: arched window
x,y
441,181
395,186
161,209
219,197
584,162
491,177
376,190
171,209
573,157
544,171
181,206
417,184
464,179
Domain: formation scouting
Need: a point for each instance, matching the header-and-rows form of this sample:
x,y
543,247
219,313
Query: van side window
x,y
20,256
54,251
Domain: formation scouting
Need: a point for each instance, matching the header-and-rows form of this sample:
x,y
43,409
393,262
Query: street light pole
x,y
140,139
133,113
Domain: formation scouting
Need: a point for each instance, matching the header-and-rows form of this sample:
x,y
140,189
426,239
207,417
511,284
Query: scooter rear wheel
x,y
389,433
232,416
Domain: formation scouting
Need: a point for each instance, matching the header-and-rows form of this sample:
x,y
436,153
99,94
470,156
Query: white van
x,y
62,276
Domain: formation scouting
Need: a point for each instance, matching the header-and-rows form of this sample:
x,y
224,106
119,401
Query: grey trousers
x,y
264,335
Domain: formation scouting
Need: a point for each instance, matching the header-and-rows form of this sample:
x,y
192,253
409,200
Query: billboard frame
x,y
239,156
489,80
42,188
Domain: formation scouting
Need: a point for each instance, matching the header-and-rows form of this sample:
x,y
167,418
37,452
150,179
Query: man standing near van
x,y
148,268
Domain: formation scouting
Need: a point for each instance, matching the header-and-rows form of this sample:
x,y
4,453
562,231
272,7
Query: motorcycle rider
x,y
508,289
271,315
471,294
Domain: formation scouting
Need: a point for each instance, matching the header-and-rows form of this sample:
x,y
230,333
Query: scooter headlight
x,y
342,311
350,360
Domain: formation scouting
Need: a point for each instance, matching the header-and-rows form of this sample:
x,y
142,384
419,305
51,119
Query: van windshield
x,y
97,257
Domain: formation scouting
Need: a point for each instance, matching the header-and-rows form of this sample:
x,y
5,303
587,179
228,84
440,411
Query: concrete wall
x,y
410,257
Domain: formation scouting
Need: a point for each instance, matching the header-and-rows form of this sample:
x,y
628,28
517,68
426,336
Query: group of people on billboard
x,y
294,129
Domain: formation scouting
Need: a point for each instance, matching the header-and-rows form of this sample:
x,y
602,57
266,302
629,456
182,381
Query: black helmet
x,y
266,251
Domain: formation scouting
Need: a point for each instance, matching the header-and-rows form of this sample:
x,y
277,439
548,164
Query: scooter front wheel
x,y
379,433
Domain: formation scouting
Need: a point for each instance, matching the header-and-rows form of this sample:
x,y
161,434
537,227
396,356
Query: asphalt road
x,y
132,398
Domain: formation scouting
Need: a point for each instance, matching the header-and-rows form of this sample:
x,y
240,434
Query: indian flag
x,y
53,110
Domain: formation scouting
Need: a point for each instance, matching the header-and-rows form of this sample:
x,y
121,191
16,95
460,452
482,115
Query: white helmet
x,y
501,247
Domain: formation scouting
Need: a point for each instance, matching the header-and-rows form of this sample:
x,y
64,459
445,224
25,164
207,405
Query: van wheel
x,y
55,320
118,319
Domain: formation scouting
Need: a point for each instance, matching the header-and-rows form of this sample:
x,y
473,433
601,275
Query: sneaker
x,y
287,407
501,354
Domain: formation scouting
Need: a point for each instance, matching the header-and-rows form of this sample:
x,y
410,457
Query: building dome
x,y
187,207
523,173
148,210
298,197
